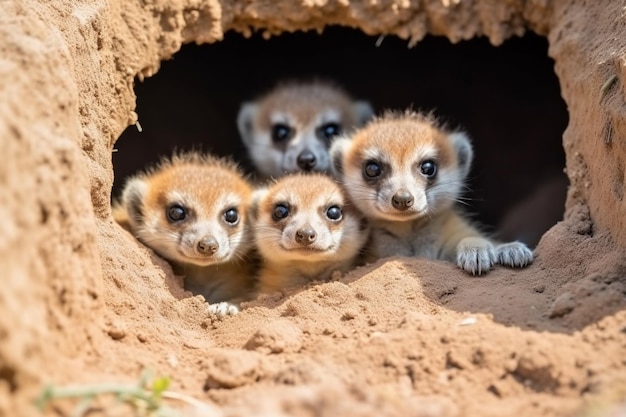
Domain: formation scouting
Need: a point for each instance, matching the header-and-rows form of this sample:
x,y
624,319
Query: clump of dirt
x,y
83,302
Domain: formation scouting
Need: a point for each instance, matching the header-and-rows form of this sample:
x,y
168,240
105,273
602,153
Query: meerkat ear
x,y
363,112
464,151
120,215
257,196
132,199
246,115
336,151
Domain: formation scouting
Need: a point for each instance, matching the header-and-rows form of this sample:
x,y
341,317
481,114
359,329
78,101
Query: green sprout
x,y
146,397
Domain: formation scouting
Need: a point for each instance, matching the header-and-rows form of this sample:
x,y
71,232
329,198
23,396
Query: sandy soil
x,y
398,337
82,302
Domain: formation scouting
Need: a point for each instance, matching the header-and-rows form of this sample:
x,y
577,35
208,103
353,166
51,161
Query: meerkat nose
x,y
208,245
402,200
306,236
306,160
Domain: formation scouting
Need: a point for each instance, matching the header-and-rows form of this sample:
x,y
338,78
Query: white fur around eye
x,y
280,117
423,153
328,116
372,153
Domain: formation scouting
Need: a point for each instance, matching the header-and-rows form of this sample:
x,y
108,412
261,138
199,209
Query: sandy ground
x,y
398,337
82,302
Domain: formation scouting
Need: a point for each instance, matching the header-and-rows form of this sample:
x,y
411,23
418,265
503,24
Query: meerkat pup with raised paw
x,y
405,172
305,230
193,210
290,128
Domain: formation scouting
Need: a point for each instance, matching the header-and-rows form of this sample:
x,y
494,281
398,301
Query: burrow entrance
x,y
507,98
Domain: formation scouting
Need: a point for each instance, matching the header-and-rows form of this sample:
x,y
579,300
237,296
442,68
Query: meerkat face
x,y
307,218
291,128
192,213
402,167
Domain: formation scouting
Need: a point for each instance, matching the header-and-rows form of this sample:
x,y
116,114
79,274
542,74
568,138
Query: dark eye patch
x,y
176,213
282,132
428,168
373,170
334,213
328,131
280,211
231,216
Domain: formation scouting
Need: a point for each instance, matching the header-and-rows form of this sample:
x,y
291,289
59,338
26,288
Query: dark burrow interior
x,y
507,98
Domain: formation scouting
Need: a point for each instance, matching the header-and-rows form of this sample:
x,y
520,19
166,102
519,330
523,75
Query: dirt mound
x,y
82,302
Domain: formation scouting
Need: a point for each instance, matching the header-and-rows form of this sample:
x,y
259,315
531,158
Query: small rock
x,y
563,305
116,332
303,371
276,337
539,288
348,315
468,321
232,369
172,360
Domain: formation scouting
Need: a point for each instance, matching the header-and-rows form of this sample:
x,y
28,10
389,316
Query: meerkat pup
x,y
305,230
193,210
405,172
290,128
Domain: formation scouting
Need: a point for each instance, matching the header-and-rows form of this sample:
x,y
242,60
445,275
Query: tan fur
x,y
337,244
412,213
306,108
120,215
395,136
304,101
206,188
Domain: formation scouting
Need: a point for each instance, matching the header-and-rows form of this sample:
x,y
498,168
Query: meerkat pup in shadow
x,y
193,210
290,128
305,230
405,172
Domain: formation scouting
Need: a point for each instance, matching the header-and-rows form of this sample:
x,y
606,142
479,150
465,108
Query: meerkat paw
x,y
475,255
223,309
514,254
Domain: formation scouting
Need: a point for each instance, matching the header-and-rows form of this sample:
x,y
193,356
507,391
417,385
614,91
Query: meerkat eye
x,y
231,216
176,213
330,130
281,132
371,169
280,212
334,213
428,168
